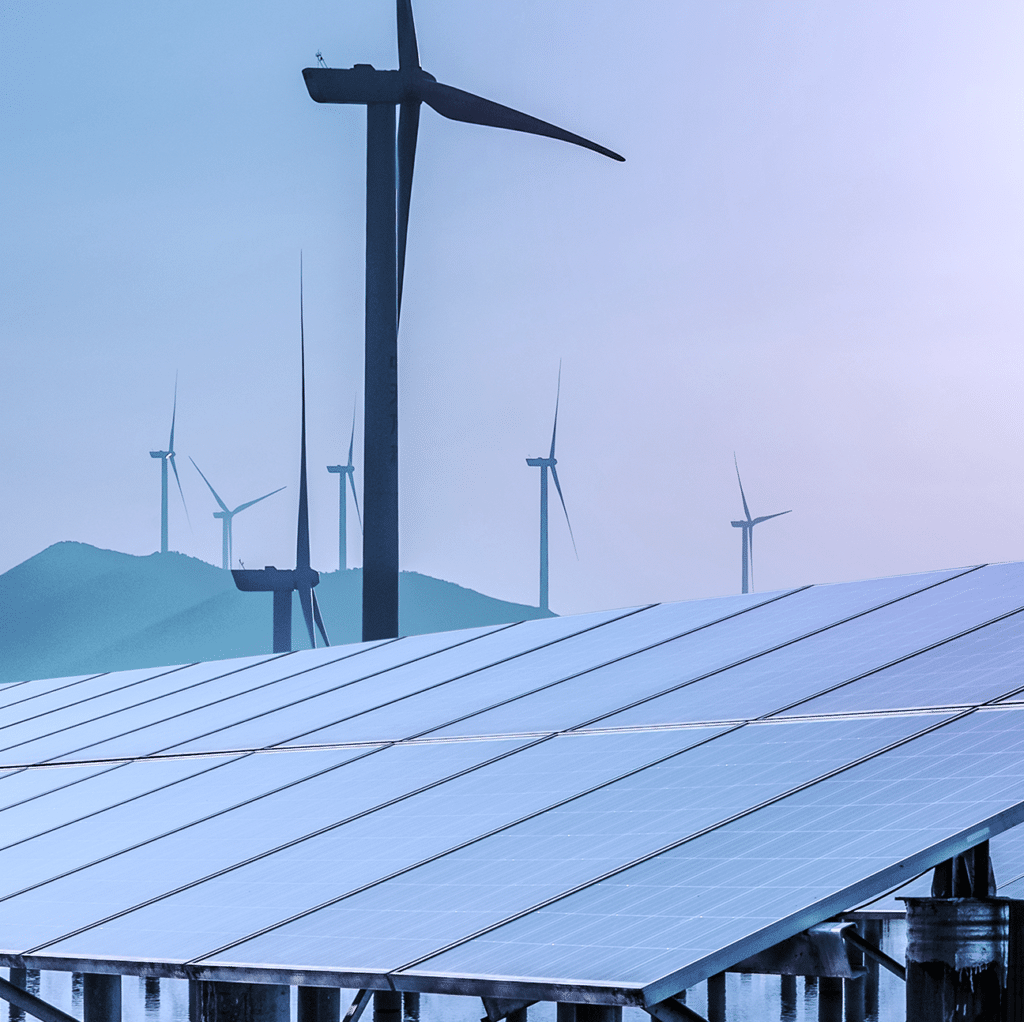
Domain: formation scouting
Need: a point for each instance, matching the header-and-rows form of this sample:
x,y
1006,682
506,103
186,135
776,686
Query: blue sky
x,y
812,256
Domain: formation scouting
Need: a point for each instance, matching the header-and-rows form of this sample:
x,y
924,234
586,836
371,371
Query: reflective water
x,y
748,998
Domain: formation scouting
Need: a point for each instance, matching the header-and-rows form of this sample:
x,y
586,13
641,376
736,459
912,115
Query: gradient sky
x,y
812,257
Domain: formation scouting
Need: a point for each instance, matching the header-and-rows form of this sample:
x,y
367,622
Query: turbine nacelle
x,y
363,84
159,454
271,579
541,462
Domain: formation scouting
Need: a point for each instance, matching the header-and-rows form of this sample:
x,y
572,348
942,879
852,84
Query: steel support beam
x,y
716,997
674,1010
101,998
387,1006
411,1005
788,996
32,1005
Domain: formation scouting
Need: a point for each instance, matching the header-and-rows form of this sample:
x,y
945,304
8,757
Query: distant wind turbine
x,y
342,471
165,457
302,578
227,516
389,169
544,464
747,525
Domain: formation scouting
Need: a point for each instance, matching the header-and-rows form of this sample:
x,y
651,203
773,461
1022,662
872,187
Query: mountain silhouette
x,y
75,609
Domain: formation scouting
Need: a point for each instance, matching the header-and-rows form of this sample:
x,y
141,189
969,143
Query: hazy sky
x,y
812,256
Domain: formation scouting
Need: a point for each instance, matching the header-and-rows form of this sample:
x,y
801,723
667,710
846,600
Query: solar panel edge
x,y
864,890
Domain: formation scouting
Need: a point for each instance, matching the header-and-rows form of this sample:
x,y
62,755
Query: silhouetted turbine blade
x,y
216,496
746,510
174,415
177,479
765,518
457,105
408,51
307,613
352,483
408,127
554,476
319,619
352,438
558,395
242,507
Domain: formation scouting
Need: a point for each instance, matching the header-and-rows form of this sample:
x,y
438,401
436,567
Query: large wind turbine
x,y
226,516
302,578
389,169
342,471
165,458
747,525
544,464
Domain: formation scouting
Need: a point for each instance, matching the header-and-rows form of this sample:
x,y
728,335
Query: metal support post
x,y
101,998
853,989
788,992
215,1001
565,1012
152,994
517,1016
956,958
1013,996
387,1006
873,935
411,1006
318,1004
830,999
597,1013
380,402
716,997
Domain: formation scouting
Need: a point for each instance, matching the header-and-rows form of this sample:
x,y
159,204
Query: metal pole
x,y
318,1004
343,525
853,989
830,999
225,542
380,440
956,959
873,935
214,1001
716,997
387,1006
411,1006
597,1013
565,1012
101,998
746,586
788,991
543,537
282,620
163,505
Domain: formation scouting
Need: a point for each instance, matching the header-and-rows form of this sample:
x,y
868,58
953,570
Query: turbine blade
x,y
352,483
746,510
216,496
765,518
307,613
408,127
242,507
558,395
457,105
302,531
554,475
174,415
177,479
408,51
352,438
319,619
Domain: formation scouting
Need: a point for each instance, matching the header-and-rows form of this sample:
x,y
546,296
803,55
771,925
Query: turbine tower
x,y
302,578
389,170
544,464
342,471
165,458
226,517
747,525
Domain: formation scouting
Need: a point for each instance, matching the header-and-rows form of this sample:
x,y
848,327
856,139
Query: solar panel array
x,y
607,807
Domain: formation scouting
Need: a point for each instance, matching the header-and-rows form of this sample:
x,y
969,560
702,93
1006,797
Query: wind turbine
x,y
389,170
165,458
747,525
544,464
302,578
343,471
227,516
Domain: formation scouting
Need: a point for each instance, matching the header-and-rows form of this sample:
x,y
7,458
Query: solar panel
x,y
613,806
